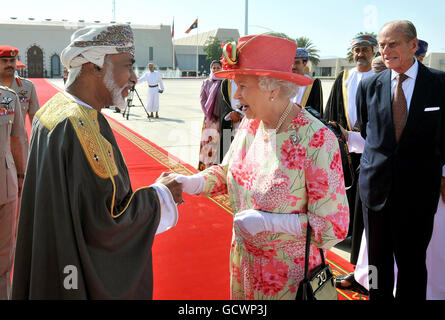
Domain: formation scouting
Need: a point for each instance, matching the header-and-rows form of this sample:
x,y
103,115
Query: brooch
x,y
295,139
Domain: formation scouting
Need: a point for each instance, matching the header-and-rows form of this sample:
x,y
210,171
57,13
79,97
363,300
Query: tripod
x,y
130,102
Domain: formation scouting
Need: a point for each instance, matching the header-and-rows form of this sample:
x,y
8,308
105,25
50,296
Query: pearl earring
x,y
272,99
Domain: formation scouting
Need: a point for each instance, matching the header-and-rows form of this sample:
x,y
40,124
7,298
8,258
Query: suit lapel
x,y
385,103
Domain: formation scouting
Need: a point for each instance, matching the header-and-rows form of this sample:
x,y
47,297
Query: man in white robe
x,y
155,87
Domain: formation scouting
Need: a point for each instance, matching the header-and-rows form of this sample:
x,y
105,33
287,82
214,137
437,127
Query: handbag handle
x,y
307,251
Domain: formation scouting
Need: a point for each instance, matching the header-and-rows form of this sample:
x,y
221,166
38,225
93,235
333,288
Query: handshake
x,y
251,221
178,183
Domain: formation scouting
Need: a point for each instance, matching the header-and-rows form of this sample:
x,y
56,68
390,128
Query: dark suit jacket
x,y
409,171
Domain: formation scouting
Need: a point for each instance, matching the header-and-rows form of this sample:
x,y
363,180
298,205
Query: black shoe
x,y
353,284
157,116
117,110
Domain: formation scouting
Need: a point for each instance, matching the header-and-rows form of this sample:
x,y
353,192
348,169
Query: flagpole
x,y
197,47
173,44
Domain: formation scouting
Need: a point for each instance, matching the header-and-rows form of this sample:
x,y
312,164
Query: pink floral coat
x,y
297,171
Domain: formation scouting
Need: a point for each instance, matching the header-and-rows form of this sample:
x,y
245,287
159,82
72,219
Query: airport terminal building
x,y
41,42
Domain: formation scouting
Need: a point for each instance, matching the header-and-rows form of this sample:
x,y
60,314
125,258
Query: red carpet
x,y
190,261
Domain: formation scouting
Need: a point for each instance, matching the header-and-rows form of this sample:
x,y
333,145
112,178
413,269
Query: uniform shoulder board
x,y
25,81
19,81
5,88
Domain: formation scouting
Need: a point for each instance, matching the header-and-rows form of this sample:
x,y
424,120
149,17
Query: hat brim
x,y
298,79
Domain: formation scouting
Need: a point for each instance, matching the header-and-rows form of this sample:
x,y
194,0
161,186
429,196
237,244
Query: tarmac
x,y
178,128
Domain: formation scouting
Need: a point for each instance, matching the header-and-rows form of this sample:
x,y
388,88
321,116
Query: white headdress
x,y
91,44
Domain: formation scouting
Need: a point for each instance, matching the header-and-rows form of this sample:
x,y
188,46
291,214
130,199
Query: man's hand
x,y
343,130
235,116
160,91
442,189
20,179
175,188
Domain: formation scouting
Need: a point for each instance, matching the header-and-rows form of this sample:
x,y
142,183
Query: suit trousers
x,y
8,217
400,231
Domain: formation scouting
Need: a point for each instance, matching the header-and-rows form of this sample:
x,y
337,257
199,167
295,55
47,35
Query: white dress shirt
x,y
408,84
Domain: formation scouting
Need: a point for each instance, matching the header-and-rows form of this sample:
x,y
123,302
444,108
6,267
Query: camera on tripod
x,y
130,101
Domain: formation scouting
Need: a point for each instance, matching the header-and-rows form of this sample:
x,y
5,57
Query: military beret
x,y
8,52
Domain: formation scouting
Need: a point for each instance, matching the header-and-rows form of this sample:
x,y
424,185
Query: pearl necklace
x,y
279,124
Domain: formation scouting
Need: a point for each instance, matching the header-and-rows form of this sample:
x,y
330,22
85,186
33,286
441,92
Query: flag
x,y
173,28
193,26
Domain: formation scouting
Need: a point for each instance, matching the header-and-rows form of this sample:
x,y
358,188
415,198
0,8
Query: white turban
x,y
91,44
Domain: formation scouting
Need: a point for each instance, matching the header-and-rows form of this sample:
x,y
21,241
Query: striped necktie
x,y
399,108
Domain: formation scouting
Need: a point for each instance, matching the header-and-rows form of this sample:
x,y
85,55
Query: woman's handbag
x,y
320,285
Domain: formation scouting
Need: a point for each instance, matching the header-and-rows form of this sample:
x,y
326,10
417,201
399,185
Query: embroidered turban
x,y
422,47
363,40
302,54
91,44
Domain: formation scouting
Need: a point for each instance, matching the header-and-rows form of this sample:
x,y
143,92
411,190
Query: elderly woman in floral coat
x,y
282,171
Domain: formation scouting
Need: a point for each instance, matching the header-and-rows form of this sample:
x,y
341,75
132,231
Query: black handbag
x,y
320,284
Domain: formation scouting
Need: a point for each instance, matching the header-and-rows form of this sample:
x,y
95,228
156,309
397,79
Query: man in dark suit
x,y
401,114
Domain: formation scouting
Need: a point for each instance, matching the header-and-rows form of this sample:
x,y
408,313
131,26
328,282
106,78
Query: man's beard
x,y
115,91
362,62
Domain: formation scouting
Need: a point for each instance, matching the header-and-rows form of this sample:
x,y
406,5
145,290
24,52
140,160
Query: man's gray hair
x,y
288,89
405,26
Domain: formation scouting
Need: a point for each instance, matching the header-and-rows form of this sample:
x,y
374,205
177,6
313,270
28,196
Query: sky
x,y
330,25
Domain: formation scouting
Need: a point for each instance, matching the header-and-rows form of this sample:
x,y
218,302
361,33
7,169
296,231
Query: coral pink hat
x,y
261,55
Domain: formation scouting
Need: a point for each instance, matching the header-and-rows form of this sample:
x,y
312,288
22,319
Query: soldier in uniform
x,y
13,154
24,88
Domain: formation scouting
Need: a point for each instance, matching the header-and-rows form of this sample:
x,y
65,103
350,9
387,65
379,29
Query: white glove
x,y
191,184
255,221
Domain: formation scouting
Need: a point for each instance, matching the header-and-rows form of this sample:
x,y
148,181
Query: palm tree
x,y
212,47
280,35
350,55
303,42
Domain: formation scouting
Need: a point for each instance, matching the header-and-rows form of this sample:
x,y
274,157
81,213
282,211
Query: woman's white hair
x,y
288,89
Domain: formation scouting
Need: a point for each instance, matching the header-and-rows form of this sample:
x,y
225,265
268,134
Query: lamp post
x,y
114,10
246,20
